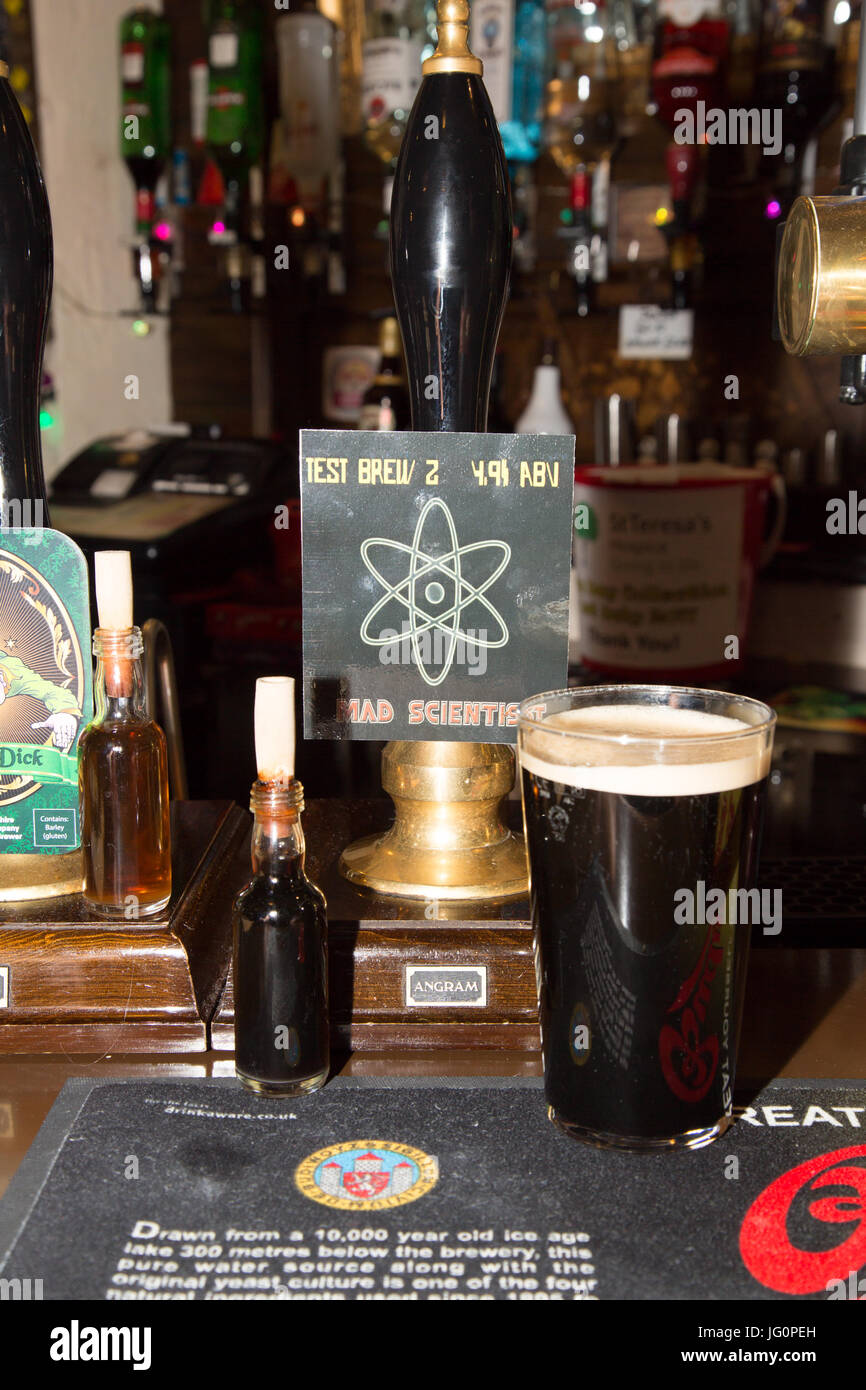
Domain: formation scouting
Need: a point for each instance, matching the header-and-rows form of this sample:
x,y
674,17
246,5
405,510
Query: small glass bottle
x,y
123,783
280,954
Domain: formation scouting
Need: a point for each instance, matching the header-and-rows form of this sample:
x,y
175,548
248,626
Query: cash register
x,y
178,497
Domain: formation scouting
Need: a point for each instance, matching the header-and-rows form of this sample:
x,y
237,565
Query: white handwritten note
x,y
647,330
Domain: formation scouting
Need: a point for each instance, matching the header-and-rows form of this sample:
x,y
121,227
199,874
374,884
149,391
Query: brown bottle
x,y
386,402
123,766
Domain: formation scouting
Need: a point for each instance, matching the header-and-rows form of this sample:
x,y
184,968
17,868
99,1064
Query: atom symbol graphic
x,y
456,591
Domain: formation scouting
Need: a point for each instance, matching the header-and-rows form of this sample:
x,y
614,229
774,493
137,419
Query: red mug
x,y
666,559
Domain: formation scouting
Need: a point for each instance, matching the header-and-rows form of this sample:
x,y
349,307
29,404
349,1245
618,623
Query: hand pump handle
x,y
451,235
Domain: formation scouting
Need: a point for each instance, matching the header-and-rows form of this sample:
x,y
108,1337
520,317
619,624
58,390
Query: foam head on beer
x,y
275,728
646,750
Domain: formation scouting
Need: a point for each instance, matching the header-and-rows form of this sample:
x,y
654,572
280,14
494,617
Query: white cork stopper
x,y
114,589
275,728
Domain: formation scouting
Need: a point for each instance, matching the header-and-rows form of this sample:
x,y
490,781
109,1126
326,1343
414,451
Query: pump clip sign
x,y
435,571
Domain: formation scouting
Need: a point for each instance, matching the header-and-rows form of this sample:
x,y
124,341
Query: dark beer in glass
x,y
643,808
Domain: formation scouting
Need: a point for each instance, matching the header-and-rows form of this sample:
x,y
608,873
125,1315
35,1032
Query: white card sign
x,y
648,331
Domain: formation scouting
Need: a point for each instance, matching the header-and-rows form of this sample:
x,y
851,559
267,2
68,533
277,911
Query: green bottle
x,y
235,116
145,121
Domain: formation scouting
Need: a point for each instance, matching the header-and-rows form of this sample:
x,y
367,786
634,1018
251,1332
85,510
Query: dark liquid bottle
x,y
386,401
280,955
794,78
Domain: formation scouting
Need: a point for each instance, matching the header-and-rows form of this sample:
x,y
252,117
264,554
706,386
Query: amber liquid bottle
x,y
123,781
280,962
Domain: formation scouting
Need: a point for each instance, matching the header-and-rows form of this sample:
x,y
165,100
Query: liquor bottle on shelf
x,y
744,24
391,72
280,950
795,76
683,165
524,203
843,35
630,46
309,85
688,76
45,684
582,103
210,189
386,400
198,102
235,121
584,123
123,765
510,38
545,412
348,19
145,132
691,55
645,20
577,232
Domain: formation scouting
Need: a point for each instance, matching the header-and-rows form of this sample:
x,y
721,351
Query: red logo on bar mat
x,y
805,1204
365,1184
688,1060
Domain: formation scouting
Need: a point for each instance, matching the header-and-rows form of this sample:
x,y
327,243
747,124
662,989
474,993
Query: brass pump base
x,y
29,877
449,840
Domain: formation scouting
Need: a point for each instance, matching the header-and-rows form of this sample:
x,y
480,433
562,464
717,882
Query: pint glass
x,y
642,808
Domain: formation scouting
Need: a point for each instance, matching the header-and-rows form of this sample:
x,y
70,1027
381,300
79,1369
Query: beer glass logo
x,y
366,1175
42,683
443,589
807,1230
557,819
690,1056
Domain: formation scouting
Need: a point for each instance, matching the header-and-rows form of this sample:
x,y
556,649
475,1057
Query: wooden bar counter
x,y
804,1011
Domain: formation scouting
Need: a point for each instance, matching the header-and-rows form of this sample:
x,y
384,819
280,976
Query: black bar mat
x,y
427,1190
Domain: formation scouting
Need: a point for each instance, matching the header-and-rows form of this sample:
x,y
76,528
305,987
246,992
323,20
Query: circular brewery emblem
x,y
366,1175
806,1232
42,676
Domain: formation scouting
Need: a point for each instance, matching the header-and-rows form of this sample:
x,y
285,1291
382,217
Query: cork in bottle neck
x,y
118,650
452,49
